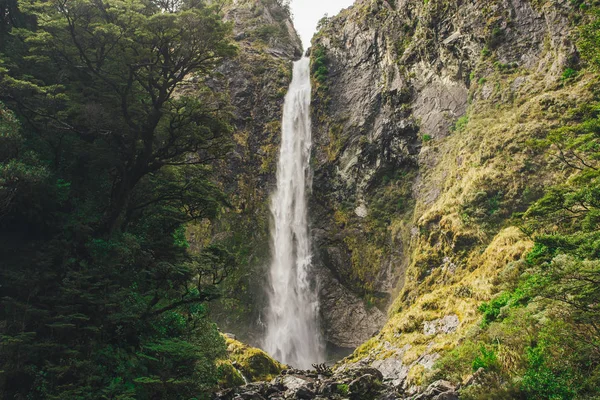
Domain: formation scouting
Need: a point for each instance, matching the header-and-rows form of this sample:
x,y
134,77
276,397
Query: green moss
x,y
229,376
255,364
460,124
343,389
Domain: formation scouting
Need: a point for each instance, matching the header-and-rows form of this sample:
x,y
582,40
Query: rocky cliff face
x,y
422,113
256,82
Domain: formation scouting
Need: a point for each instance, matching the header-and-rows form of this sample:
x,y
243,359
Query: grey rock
x,y
355,371
393,370
304,393
328,388
363,386
389,85
445,325
249,396
293,382
345,319
428,360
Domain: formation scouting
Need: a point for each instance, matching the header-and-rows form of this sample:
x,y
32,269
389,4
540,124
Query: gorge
x,y
423,116
192,206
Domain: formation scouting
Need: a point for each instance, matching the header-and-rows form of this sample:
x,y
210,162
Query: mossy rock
x,y
229,376
255,364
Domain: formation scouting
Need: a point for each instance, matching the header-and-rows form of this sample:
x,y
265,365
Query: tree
x,y
112,158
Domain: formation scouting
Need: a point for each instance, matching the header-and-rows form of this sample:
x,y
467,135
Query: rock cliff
x,y
422,113
257,81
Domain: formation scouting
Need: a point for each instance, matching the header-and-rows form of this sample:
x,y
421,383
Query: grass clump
x,y
460,124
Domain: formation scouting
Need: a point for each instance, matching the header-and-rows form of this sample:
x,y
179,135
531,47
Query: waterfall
x,y
293,335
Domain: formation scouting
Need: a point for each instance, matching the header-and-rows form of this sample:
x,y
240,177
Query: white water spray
x,y
293,335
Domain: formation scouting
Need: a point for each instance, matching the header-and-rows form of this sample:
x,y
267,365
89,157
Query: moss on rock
x,y
255,364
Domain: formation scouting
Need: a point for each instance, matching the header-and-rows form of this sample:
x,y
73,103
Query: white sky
x,y
308,12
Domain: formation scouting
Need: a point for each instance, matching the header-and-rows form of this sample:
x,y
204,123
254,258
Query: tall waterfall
x,y
293,335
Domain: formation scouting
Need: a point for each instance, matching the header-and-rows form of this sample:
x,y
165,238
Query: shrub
x,y
568,74
319,64
487,360
540,382
491,310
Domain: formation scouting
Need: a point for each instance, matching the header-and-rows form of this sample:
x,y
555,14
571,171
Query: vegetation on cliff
x,y
499,263
538,337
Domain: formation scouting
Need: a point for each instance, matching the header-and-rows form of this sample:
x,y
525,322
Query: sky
x,y
308,12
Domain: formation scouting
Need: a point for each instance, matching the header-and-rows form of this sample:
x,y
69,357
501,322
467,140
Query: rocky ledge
x,y
357,383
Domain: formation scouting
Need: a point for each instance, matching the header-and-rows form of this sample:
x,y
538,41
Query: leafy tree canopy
x,y
107,135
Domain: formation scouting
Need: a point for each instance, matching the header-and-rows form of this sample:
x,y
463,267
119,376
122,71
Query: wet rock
x,y
227,394
328,388
298,386
356,382
304,393
354,371
293,382
389,396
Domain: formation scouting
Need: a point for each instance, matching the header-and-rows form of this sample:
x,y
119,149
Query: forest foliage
x,y
103,160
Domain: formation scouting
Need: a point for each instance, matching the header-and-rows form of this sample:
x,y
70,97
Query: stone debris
x,y
351,382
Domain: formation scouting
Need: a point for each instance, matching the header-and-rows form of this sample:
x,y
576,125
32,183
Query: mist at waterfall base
x,y
292,334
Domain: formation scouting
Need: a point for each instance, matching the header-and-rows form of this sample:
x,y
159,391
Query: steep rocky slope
x,y
422,115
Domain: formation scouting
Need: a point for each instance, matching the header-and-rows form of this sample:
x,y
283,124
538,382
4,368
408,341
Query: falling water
x,y
293,335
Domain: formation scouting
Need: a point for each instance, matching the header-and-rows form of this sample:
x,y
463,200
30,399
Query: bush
x,y
460,124
487,360
568,74
540,382
319,64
